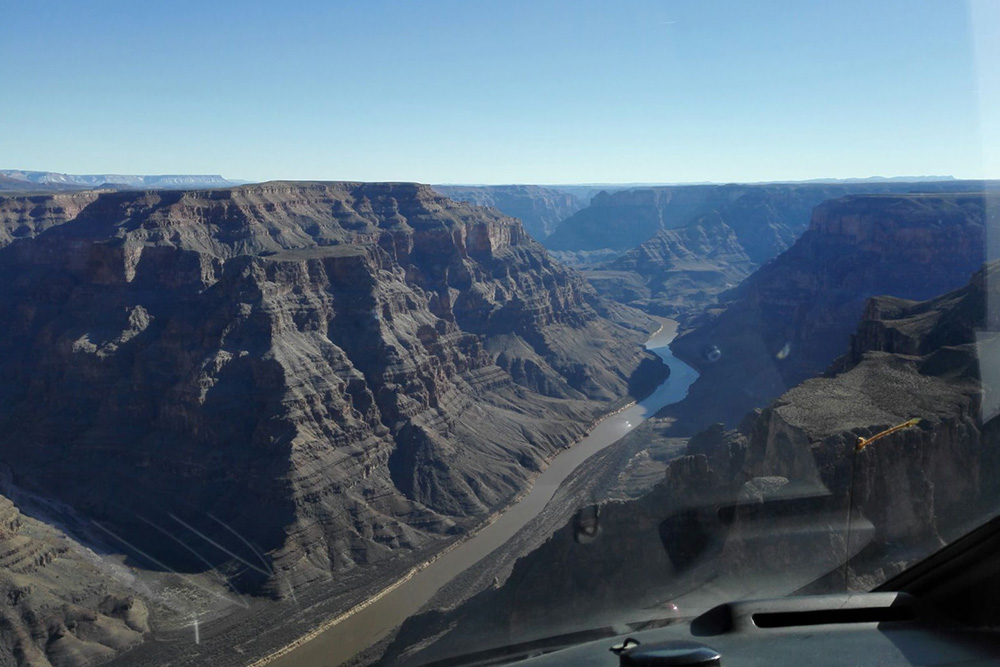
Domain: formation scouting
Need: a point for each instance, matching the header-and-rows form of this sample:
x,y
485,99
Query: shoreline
x,y
488,521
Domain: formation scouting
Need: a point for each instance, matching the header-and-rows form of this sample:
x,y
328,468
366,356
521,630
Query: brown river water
x,y
339,640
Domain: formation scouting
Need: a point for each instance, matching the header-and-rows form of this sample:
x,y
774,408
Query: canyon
x,y
791,318
782,501
673,250
284,391
540,209
229,415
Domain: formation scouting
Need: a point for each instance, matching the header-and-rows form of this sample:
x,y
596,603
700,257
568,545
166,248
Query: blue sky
x,y
499,92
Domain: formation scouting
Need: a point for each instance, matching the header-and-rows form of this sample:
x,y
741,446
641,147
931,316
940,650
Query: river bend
x,y
364,627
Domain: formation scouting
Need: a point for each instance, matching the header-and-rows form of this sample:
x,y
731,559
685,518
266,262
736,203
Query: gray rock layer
x,y
539,209
762,510
684,245
794,316
288,381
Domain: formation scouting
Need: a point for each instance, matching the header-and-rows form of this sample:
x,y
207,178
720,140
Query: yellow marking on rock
x,y
864,442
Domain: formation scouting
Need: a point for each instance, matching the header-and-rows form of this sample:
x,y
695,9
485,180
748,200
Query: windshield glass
x,y
395,332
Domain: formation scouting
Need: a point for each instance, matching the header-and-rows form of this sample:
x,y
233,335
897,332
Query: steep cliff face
x,y
763,510
913,490
677,272
26,217
291,380
624,219
539,209
760,221
792,317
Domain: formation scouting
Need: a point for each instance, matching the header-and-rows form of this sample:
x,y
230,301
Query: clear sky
x,y
469,91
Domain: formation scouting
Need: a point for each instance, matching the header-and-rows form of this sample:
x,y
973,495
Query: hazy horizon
x,y
630,184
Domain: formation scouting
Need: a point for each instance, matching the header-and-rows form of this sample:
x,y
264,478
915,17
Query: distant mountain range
x,y
27,181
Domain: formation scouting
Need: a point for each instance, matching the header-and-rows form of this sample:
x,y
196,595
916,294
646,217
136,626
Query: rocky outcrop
x,y
918,488
677,272
28,216
292,381
539,209
795,315
62,607
762,510
694,242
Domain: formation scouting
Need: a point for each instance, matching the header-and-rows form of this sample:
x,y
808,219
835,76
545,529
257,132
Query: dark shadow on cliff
x,y
648,376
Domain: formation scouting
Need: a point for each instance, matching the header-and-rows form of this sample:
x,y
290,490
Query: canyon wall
x,y
539,209
672,250
794,316
782,502
293,384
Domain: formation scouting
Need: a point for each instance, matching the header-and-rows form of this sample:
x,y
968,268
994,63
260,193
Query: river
x,y
357,631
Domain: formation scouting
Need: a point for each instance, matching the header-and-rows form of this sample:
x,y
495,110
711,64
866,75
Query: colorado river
x,y
366,626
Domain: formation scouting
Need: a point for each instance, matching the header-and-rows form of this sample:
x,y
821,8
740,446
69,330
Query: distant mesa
x,y
19,180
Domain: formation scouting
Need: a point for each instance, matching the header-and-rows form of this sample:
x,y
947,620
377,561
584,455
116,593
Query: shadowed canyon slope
x,y
287,381
678,272
762,510
539,209
794,316
693,242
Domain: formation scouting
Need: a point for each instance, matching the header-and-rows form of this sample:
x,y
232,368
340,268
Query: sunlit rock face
x,y
315,377
60,607
795,315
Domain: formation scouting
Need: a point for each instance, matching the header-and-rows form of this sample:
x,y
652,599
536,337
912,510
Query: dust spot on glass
x,y
784,351
587,525
712,353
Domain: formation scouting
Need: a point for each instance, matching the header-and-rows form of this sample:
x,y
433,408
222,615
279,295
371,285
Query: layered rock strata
x,y
539,209
783,501
678,272
795,315
684,245
287,382
63,606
